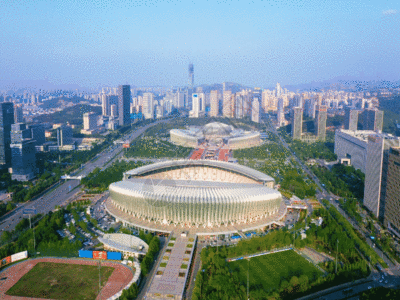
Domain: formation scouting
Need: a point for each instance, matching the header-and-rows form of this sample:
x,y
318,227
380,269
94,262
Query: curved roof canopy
x,y
172,164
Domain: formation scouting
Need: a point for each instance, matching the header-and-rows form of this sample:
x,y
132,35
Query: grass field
x,y
61,281
269,271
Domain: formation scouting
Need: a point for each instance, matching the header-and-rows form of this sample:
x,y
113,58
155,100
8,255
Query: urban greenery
x,y
98,180
344,181
131,293
151,255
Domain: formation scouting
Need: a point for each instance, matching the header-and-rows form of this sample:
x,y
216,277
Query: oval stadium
x,y
196,194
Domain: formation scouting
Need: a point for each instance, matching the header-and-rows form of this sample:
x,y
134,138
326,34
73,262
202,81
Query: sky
x,y
150,43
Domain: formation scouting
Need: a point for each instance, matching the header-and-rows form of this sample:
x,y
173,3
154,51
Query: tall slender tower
x,y
124,100
297,123
191,76
320,122
214,103
6,119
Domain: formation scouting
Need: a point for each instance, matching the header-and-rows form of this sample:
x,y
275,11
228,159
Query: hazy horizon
x,y
151,43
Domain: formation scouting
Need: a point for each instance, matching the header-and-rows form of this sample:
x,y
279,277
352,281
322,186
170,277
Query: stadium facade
x,y
215,133
200,193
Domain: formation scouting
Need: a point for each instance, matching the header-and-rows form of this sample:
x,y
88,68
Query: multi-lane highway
x,y
67,189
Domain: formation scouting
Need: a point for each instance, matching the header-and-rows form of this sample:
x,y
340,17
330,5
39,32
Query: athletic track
x,y
120,277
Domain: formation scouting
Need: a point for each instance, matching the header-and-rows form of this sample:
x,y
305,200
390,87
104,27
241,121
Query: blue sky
x,y
144,43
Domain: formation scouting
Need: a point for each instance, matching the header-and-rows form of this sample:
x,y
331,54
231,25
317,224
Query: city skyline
x,y
151,44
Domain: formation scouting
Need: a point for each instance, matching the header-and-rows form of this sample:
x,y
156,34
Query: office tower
x,y
351,119
214,103
124,100
392,206
255,111
23,159
198,101
37,134
223,87
281,113
64,136
297,123
238,106
113,111
373,120
105,105
148,106
278,90
18,113
320,122
89,121
6,119
191,76
227,105
179,99
310,107
376,171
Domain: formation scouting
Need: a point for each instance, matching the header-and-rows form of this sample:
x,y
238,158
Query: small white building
x,y
128,245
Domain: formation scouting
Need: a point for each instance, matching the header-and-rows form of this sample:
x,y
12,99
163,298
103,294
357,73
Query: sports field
x,y
61,281
268,271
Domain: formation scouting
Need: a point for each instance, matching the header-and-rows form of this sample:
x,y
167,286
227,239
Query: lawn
x,y
268,271
61,281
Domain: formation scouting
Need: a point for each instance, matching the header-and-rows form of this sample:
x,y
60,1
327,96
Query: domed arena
x,y
202,194
215,133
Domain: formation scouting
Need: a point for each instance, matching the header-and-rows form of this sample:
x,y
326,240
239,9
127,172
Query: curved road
x,y
67,189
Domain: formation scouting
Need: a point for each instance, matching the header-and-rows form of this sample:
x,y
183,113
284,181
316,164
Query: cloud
x,y
389,12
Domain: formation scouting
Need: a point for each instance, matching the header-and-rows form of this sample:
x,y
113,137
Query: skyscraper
x,y
105,105
280,113
6,119
373,120
148,106
89,122
351,119
227,106
214,104
255,111
238,106
392,206
18,113
376,171
23,159
124,100
297,123
197,105
191,76
320,122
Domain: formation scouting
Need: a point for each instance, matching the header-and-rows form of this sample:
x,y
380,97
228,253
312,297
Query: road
x,y
324,194
67,189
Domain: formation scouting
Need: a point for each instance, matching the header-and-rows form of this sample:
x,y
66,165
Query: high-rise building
x,y
255,111
124,100
89,121
214,103
37,134
148,106
373,119
320,122
392,206
6,119
23,159
351,119
238,106
198,101
191,76
64,136
280,113
18,113
227,105
297,123
105,105
278,90
376,171
113,111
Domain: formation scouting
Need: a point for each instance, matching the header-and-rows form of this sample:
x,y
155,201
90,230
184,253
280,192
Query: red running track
x,y
120,277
